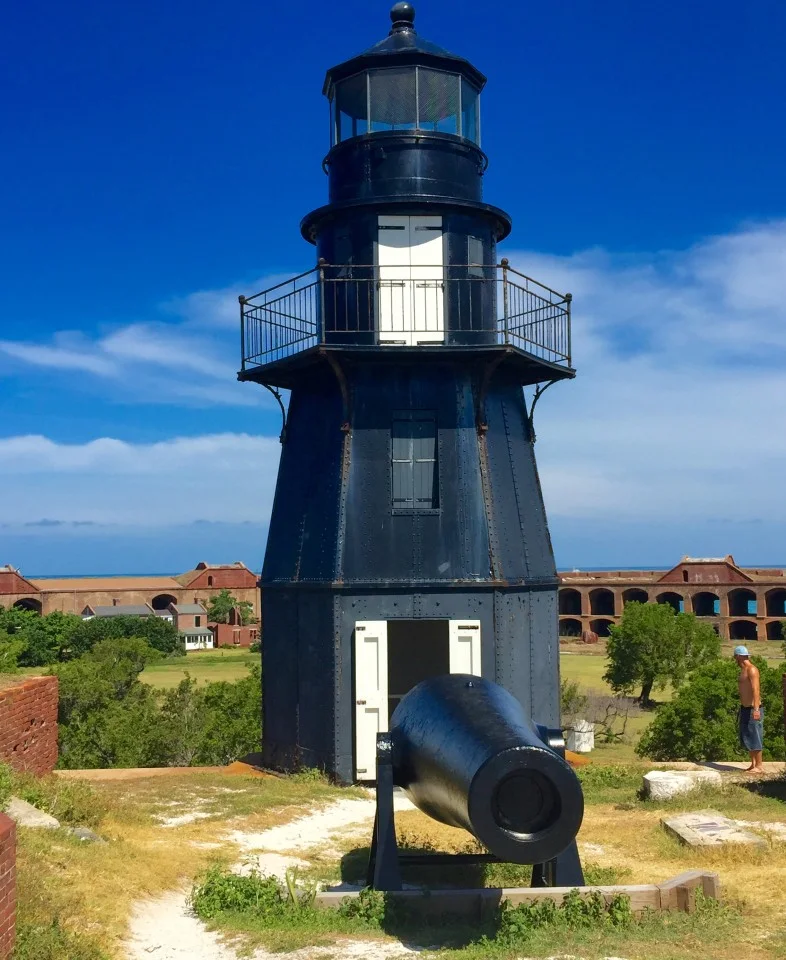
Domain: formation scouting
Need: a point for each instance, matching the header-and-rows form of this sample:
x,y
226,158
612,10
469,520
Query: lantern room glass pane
x,y
392,99
470,127
438,101
351,108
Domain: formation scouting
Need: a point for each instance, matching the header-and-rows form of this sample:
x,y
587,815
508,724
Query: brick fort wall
x,y
28,724
7,885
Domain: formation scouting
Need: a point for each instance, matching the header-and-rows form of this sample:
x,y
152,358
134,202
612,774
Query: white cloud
x,y
156,361
222,478
58,357
676,416
679,404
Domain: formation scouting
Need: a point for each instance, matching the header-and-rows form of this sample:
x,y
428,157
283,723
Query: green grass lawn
x,y
202,665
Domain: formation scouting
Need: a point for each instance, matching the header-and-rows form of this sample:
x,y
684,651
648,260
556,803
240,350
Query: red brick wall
x,y
227,634
28,724
236,578
7,885
705,573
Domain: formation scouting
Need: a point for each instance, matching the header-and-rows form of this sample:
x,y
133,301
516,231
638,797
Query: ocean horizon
x,y
147,573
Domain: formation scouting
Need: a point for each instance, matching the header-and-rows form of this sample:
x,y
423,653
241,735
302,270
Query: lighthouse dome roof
x,y
402,47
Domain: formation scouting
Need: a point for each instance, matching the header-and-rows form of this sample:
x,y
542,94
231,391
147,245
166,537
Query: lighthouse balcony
x,y
421,312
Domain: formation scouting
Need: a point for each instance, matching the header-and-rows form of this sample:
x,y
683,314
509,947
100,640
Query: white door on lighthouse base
x,y
391,657
411,280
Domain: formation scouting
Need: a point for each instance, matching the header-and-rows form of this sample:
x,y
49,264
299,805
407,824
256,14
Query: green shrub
x,y
222,892
368,907
700,723
160,634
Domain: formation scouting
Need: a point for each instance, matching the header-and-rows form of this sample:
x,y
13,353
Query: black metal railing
x,y
468,305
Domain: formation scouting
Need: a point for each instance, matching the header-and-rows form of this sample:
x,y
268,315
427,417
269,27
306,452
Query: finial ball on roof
x,y
403,14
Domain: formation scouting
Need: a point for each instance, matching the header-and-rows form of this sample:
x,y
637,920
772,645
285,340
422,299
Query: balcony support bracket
x,y
346,398
540,389
282,437
488,371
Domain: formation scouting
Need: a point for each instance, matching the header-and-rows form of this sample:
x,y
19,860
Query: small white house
x,y
199,638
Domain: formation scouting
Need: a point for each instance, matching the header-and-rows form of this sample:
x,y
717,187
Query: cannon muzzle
x,y
467,755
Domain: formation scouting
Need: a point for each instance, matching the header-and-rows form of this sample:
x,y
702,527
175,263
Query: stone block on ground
x,y
24,814
708,828
581,737
86,834
665,784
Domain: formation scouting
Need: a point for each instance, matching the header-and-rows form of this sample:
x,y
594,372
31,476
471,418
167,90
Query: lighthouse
x,y
408,537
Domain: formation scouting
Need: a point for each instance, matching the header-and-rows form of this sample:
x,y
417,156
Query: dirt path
x,y
165,929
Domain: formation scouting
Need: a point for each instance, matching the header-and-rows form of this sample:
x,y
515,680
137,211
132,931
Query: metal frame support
x,y
384,871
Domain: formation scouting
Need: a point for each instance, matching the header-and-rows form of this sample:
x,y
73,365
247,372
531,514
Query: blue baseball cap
x,y
741,651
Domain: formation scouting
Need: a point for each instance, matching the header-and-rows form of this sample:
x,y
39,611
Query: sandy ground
x,y
165,929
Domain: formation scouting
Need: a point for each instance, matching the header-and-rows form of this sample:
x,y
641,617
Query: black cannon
x,y
467,755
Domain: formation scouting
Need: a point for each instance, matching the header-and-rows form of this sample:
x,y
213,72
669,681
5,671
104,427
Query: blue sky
x,y
157,159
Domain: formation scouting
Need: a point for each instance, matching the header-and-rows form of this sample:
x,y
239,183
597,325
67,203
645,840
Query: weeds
x,y
574,913
72,802
52,942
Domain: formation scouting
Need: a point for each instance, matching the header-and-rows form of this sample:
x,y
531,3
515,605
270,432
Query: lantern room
x,y
406,247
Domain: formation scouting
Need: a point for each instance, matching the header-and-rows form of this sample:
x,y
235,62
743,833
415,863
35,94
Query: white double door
x,y
371,681
411,280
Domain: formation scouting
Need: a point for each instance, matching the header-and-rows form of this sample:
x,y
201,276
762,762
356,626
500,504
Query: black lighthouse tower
x,y
408,537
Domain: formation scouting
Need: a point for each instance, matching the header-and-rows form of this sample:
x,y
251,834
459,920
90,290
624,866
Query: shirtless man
x,y
751,710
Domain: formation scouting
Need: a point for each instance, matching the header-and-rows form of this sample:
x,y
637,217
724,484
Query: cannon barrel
x,y
467,755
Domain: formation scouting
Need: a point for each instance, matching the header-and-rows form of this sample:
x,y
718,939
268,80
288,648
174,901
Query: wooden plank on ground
x,y
691,879
679,893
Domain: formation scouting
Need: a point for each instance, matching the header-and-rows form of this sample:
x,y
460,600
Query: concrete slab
x,y
708,828
24,814
664,784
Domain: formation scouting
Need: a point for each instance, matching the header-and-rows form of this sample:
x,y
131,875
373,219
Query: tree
x,y
700,723
106,716
220,607
47,638
652,645
11,648
211,724
160,634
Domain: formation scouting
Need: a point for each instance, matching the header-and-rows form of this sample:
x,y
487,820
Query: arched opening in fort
x,y
775,631
742,603
743,630
602,603
162,601
568,627
674,600
635,595
776,603
28,603
570,602
210,581
706,604
601,627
